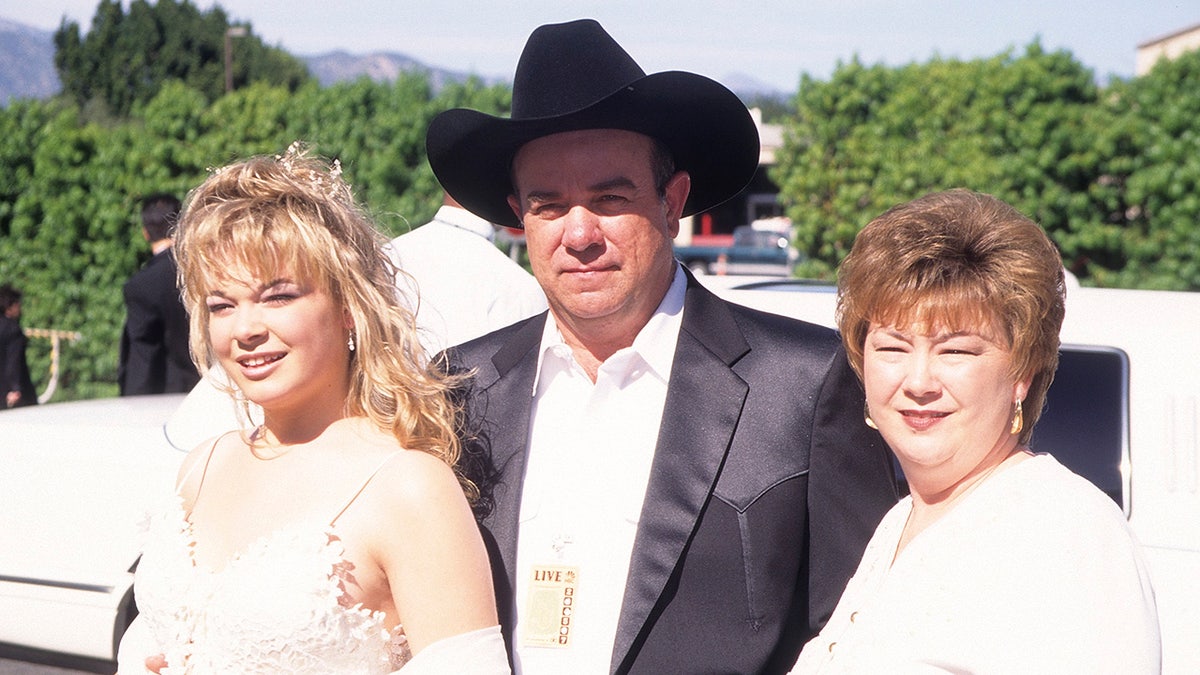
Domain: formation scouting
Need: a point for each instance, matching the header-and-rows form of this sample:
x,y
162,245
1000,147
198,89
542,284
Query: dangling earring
x,y
350,340
867,416
1018,422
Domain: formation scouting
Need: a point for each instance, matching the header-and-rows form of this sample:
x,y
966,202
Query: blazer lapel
x,y
506,393
704,403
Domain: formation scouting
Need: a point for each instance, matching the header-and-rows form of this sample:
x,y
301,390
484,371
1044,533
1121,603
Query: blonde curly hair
x,y
294,214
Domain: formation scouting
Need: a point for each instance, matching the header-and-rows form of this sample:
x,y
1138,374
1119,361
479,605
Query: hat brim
x,y
707,128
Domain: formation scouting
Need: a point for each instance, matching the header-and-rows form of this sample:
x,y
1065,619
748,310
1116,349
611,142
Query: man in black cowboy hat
x,y
683,485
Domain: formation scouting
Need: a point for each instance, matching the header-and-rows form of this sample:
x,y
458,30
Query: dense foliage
x,y
69,228
127,57
1150,141
1112,173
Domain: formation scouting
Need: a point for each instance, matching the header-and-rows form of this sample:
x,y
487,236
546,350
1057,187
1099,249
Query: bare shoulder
x,y
192,467
403,479
415,481
413,510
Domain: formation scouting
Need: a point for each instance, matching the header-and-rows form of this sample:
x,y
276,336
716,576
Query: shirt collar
x,y
654,343
465,220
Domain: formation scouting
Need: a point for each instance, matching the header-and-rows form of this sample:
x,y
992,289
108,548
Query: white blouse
x,y
1036,571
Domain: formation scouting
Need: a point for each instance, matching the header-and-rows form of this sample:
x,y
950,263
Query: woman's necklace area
x,y
916,523
263,449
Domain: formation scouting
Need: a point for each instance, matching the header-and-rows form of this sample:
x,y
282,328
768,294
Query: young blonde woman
x,y
333,534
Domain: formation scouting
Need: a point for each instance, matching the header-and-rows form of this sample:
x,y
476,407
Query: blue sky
x,y
773,41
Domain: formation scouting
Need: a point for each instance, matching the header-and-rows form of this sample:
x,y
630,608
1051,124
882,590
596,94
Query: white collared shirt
x,y
590,450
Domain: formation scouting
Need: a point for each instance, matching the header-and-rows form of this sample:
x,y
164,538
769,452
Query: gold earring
x,y
867,416
1018,422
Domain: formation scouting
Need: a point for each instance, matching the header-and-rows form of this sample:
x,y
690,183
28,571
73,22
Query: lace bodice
x,y
278,606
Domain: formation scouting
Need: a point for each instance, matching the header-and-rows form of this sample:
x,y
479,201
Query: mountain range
x,y
27,67
26,62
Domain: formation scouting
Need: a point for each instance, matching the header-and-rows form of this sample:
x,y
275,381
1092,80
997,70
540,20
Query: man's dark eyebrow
x,y
619,182
538,196
612,183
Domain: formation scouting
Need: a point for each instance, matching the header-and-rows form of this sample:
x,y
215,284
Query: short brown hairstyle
x,y
959,259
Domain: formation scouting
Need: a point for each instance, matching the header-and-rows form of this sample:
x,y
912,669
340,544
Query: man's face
x,y
598,233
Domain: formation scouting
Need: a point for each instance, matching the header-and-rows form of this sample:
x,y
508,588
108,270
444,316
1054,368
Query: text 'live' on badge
x,y
551,606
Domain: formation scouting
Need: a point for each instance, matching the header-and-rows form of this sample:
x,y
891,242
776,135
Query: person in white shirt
x,y
1000,560
457,282
683,484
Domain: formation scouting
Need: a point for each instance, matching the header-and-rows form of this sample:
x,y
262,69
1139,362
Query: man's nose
x,y
581,229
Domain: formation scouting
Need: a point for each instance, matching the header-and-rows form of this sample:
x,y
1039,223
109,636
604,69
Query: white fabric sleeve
x,y
478,652
136,645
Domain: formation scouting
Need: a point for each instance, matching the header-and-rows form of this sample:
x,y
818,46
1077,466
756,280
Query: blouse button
x,y
853,617
831,646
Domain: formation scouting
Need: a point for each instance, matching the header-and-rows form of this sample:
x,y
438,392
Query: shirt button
x,y
831,646
853,617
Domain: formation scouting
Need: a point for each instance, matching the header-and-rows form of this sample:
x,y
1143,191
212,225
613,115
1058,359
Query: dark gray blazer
x,y
764,488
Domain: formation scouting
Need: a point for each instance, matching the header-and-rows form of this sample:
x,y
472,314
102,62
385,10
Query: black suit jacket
x,y
14,369
764,488
154,355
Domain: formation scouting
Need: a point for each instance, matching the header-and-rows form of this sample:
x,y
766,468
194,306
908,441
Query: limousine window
x,y
1085,423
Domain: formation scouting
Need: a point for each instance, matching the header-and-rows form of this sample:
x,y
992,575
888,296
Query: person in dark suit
x,y
16,385
682,484
154,342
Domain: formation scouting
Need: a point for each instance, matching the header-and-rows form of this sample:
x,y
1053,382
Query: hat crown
x,y
567,67
574,76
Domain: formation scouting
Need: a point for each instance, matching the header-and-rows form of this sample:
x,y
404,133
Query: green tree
x,y
1152,187
67,245
773,107
872,137
126,57
377,130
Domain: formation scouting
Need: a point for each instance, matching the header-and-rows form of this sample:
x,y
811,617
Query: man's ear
x,y
515,204
675,195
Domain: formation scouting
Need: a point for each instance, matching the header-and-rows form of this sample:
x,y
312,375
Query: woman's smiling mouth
x,y
922,420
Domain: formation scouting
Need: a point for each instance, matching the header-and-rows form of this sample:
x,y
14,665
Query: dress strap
x,y
364,486
204,473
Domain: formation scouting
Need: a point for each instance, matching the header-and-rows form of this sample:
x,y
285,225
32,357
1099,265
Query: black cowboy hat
x,y
574,76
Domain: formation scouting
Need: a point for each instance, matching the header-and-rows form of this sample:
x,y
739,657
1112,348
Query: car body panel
x,y
78,482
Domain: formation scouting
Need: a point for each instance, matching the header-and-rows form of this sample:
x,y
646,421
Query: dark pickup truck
x,y
759,251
